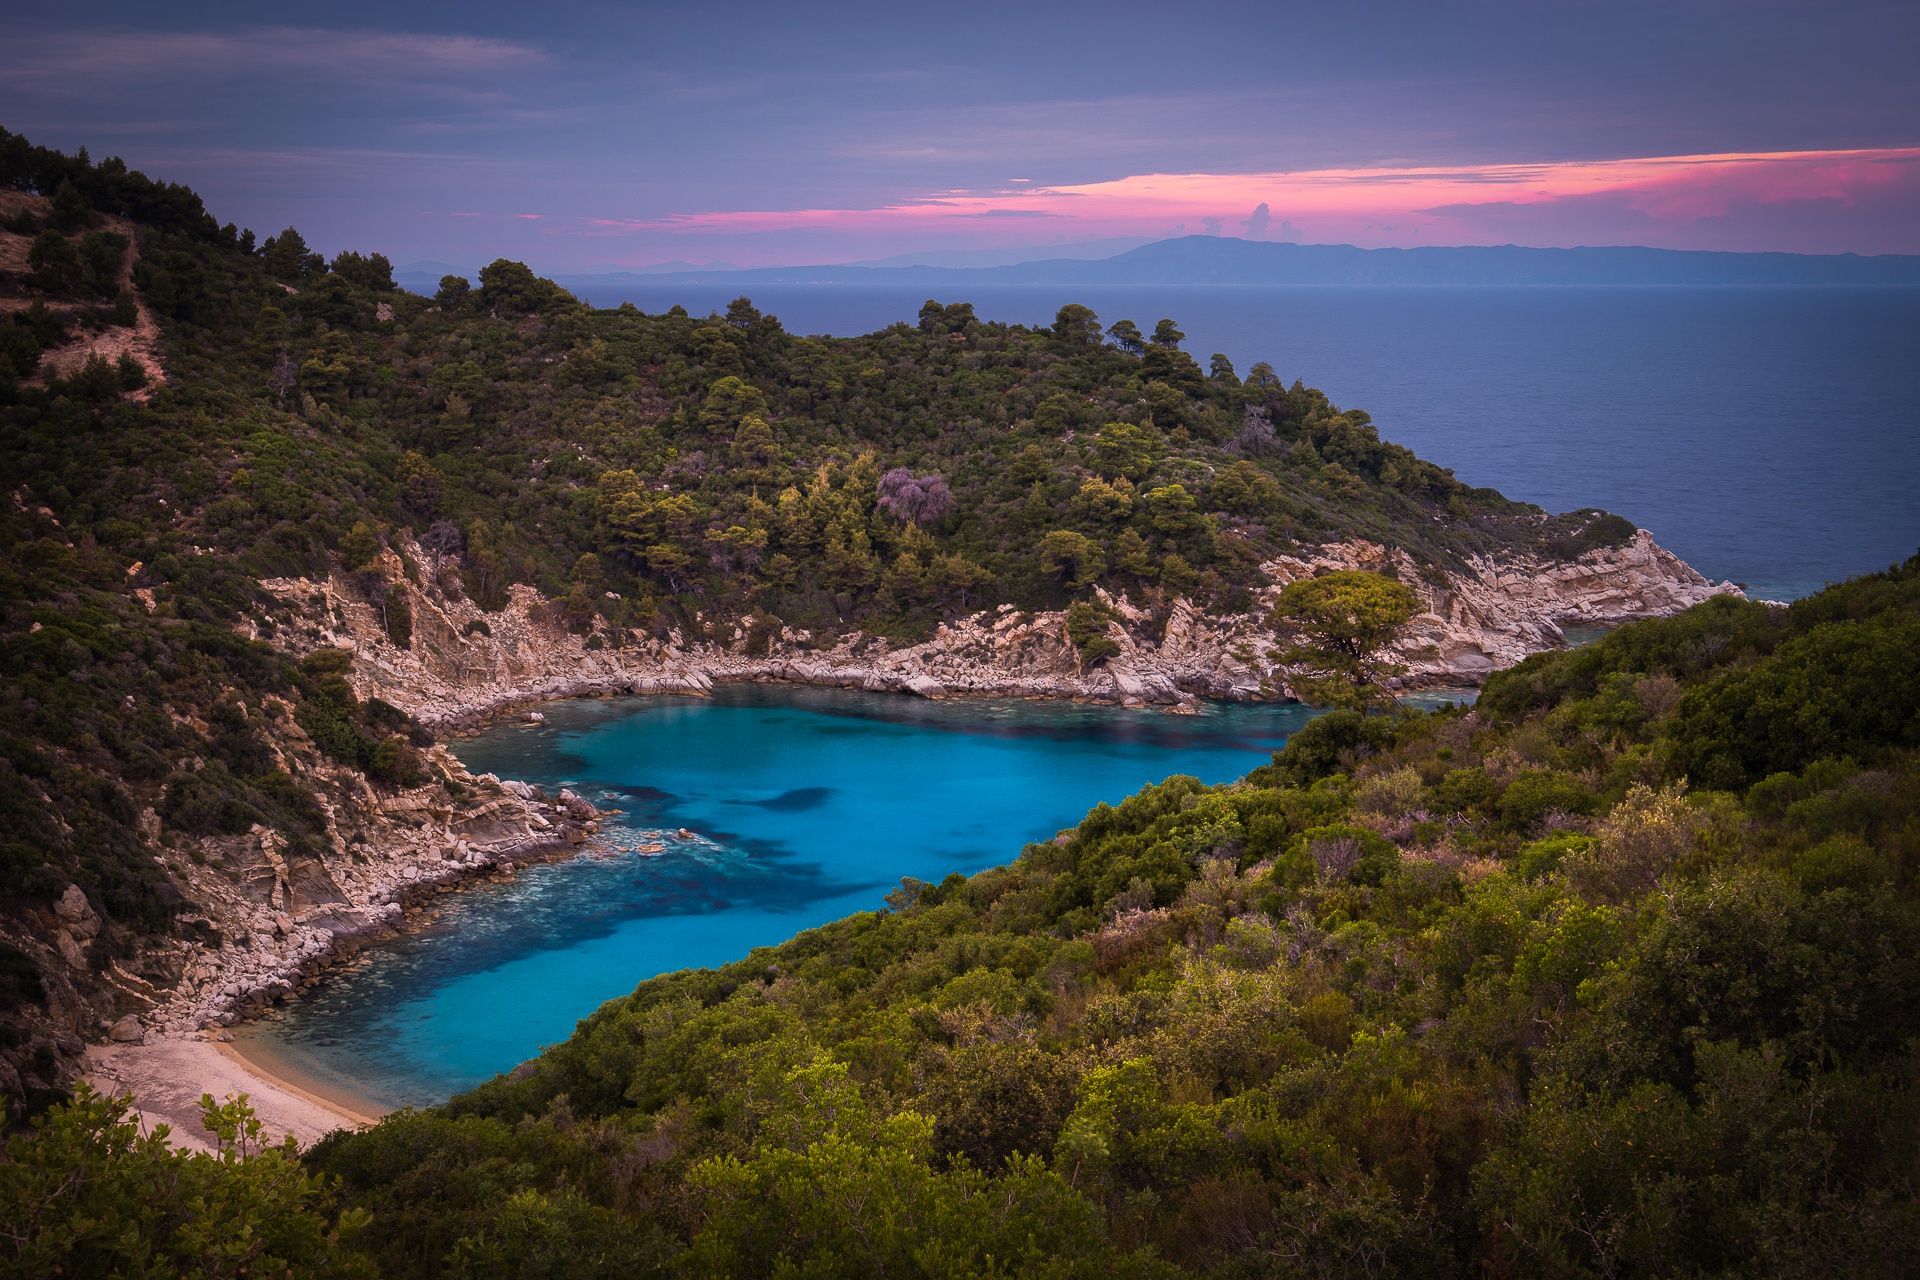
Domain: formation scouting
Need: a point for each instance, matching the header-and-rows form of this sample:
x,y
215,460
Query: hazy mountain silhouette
x,y
1195,260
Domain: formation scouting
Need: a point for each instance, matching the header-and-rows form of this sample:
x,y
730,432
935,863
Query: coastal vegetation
x,y
95,1193
1615,973
716,478
1612,974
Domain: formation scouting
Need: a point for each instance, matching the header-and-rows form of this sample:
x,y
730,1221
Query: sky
x,y
599,136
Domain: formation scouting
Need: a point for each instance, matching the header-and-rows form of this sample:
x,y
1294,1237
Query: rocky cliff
x,y
463,665
260,921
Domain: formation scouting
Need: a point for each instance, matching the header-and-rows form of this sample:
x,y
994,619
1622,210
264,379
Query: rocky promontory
x,y
260,921
464,665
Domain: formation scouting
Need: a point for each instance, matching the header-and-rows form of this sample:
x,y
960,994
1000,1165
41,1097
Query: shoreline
x,y
166,1078
279,1072
519,709
284,1094
1489,614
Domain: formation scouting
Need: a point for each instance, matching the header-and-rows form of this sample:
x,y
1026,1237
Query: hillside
x,y
1612,975
261,507
1617,974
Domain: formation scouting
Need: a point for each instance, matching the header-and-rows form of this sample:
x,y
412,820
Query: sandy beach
x,y
167,1077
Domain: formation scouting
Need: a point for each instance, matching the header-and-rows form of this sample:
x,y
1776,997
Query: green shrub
x,y
1469,790
1843,689
359,547
398,616
89,1193
56,264
1536,794
1326,745
1543,857
1087,624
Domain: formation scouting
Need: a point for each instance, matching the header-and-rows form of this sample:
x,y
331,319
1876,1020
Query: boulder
x,y
73,906
926,686
70,950
128,1030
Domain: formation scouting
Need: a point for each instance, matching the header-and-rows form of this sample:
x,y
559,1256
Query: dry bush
x,y
1135,898
1658,694
1335,856
1129,936
1218,891
1645,834
1390,795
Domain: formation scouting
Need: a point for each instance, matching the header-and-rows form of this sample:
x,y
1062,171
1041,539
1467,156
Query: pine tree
x,y
70,209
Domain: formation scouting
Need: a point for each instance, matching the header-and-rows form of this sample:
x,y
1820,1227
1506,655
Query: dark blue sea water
x,y
1770,436
806,805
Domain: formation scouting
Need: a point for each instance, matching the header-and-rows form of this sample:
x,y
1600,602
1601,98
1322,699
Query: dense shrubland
x,y
1498,990
95,1193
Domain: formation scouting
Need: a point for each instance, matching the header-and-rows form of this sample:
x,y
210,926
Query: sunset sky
x,y
592,136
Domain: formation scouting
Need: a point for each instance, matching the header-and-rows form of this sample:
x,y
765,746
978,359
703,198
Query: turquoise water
x,y
805,805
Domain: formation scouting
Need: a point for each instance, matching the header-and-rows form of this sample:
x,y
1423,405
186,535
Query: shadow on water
x,y
793,801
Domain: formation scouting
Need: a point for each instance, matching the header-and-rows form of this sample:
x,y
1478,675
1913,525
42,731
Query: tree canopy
x,y
1343,621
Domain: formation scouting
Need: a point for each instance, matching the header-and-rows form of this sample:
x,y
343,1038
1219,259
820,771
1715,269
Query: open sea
x,y
1769,436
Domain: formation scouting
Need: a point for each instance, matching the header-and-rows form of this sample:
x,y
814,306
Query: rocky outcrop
x,y
465,665
1501,611
261,920
281,921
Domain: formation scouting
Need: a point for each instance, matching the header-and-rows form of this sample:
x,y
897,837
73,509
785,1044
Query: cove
x,y
805,805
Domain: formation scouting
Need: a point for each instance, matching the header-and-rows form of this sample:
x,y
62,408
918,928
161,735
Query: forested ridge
x,y
1616,973
716,463
716,475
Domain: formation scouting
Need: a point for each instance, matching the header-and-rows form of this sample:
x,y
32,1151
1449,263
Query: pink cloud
x,y
1865,201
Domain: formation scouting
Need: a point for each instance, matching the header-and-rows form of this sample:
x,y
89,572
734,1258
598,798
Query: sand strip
x,y
167,1077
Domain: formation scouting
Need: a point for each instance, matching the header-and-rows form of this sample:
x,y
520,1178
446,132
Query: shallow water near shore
x,y
804,805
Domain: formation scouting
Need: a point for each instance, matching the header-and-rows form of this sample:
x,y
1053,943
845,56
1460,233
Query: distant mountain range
x,y
1012,255
1219,260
